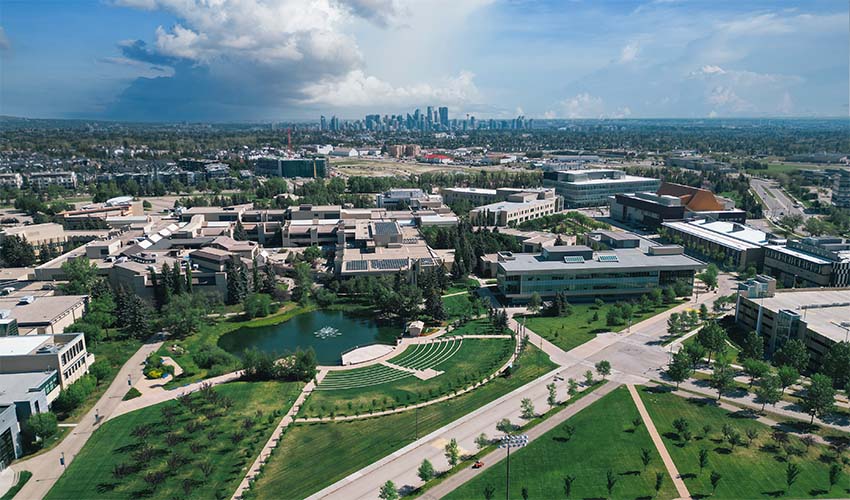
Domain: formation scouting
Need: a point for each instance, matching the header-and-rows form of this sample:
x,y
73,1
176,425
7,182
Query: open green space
x,y
114,352
463,305
188,350
775,168
481,326
586,321
192,448
603,438
374,388
468,284
757,470
338,449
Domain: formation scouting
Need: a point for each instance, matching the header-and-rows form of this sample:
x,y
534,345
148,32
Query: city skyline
x,y
284,60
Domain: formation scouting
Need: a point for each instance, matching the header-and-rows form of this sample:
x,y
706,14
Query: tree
x,y
312,253
588,377
527,408
793,353
703,312
836,364
703,459
184,314
603,368
505,426
534,303
257,305
237,282
452,452
434,305
552,398
755,368
388,491
659,482
788,376
81,274
239,233
792,470
40,426
721,378
680,367
768,390
303,282
489,492
572,387
753,346
715,480
819,399
611,481
752,434
524,493
713,337
696,352
17,252
568,485
256,282
425,471
645,458
709,276
482,441
834,475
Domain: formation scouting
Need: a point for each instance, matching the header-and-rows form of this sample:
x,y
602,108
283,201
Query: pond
x,y
329,333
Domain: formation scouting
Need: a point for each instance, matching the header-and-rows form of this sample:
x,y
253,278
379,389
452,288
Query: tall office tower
x,y
323,123
444,116
472,122
334,124
429,117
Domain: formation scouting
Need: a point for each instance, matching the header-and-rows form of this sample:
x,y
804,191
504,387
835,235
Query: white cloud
x,y
549,115
725,97
583,105
629,52
710,69
786,105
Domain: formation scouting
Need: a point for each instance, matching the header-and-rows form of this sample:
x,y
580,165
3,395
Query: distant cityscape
x,y
432,120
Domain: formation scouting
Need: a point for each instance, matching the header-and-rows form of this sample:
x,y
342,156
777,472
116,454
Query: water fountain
x,y
327,332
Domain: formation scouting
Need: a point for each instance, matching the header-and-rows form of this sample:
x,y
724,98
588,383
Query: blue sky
x,y
241,60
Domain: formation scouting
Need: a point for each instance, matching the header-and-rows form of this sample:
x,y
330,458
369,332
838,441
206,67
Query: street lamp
x,y
508,441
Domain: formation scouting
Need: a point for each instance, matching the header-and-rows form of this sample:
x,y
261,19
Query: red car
x,y
478,465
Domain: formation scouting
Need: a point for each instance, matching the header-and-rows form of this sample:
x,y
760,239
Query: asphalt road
x,y
777,203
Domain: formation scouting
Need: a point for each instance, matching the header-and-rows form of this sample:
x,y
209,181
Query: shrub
x,y
257,305
131,394
100,370
209,355
40,425
72,397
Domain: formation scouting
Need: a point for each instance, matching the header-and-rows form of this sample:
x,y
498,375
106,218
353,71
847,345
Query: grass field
x,y
341,448
481,326
462,363
775,168
179,447
468,284
755,471
604,439
458,306
576,329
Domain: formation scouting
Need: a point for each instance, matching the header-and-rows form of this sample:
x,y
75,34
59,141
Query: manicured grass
x,y
115,352
91,475
756,471
461,286
313,456
471,360
604,439
209,335
574,330
458,306
478,327
23,477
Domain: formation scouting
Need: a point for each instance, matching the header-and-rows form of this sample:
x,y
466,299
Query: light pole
x,y
508,441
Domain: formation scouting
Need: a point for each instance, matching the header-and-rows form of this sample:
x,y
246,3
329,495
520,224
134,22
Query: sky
x,y
279,60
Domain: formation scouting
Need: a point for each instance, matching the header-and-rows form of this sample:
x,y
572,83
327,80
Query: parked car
x,y
478,465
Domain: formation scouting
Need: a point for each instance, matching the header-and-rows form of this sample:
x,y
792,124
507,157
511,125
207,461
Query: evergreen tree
x,y
236,285
434,305
256,283
17,252
176,280
269,281
189,278
239,233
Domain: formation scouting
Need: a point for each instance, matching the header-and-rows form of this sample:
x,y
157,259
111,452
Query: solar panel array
x,y
356,265
384,228
574,259
608,258
427,261
385,264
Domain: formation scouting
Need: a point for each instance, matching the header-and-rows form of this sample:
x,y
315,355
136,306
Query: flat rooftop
x,y
471,190
824,320
22,345
723,233
43,311
800,254
505,206
631,258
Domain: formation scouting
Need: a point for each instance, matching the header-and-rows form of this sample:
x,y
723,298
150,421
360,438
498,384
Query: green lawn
x,y
115,352
175,451
461,286
756,471
458,306
604,439
208,336
576,329
480,326
775,168
462,364
338,449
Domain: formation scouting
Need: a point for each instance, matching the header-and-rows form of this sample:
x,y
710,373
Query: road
x,y
45,468
636,356
776,201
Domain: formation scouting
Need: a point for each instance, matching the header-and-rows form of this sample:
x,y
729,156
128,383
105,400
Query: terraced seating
x,y
361,377
429,355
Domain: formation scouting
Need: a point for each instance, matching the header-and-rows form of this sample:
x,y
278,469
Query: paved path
x,y
672,471
45,468
153,397
496,456
273,440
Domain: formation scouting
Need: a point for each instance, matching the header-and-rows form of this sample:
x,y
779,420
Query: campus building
x,y
517,208
43,180
65,353
11,180
672,202
40,314
818,317
734,244
291,167
841,189
414,198
585,275
811,262
593,187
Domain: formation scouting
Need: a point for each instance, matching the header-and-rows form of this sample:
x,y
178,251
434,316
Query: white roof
x,y
20,345
722,233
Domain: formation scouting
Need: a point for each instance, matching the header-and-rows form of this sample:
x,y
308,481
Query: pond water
x,y
329,333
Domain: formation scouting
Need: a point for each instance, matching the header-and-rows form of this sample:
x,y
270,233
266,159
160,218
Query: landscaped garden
x,y
752,459
193,447
340,448
379,387
597,445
